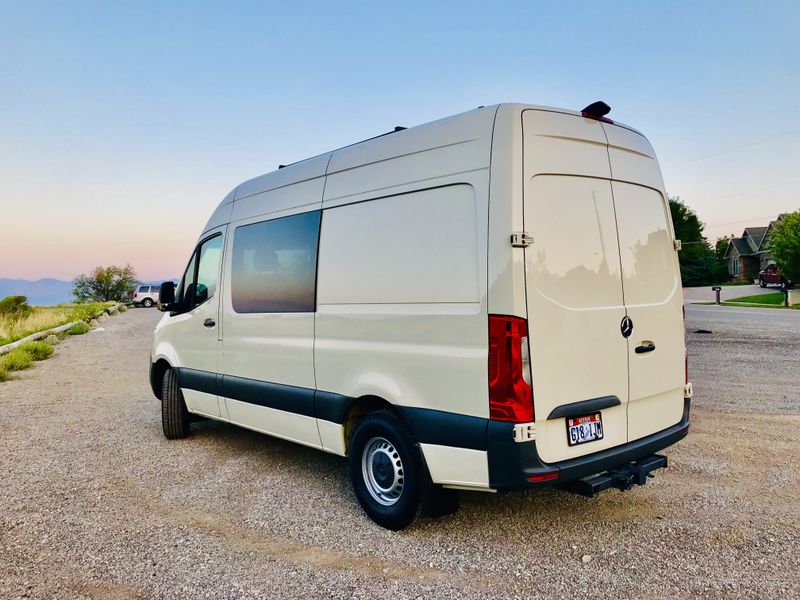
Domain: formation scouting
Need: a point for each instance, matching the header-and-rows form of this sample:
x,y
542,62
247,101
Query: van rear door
x,y
574,283
651,284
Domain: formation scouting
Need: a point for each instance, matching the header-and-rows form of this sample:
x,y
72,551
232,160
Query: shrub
x,y
16,307
16,360
4,375
37,350
78,329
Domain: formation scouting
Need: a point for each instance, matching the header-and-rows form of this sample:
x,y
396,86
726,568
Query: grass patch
x,y
14,327
774,298
37,350
5,375
78,329
16,360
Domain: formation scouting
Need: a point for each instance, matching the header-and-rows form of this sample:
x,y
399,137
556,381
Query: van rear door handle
x,y
645,347
212,322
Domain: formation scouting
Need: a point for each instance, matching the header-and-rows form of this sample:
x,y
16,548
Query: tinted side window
x,y
154,289
143,289
275,264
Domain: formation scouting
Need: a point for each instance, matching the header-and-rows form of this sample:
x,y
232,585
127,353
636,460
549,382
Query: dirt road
x,y
95,503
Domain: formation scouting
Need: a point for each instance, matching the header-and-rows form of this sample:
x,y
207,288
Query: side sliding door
x,y
268,326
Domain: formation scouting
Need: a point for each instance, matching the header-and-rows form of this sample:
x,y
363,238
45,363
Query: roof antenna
x,y
597,110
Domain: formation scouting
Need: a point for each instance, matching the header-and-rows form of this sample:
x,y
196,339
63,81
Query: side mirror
x,y
166,296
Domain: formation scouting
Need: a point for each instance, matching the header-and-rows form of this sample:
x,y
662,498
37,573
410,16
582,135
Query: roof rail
x,y
395,130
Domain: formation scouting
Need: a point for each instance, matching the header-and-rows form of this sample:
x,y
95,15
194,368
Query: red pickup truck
x,y
771,275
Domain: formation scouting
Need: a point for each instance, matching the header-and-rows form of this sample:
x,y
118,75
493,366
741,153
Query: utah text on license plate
x,y
587,428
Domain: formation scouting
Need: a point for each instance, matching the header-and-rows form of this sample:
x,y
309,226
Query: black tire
x,y
175,418
762,283
147,303
396,512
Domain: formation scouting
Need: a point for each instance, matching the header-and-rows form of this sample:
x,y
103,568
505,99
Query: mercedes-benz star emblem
x,y
626,327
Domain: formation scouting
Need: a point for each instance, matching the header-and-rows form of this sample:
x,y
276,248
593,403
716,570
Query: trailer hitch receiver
x,y
622,478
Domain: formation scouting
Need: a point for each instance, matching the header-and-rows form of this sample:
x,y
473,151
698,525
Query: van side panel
x,y
506,265
400,309
398,250
401,312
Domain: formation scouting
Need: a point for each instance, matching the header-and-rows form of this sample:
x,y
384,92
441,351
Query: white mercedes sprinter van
x,y
490,302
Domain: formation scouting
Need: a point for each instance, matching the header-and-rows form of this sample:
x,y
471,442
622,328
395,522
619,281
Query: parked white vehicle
x,y
491,301
146,295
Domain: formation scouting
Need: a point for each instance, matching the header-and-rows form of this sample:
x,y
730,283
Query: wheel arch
x,y
365,405
157,371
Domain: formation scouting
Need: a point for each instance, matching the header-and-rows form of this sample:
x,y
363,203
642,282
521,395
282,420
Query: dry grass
x,y
43,318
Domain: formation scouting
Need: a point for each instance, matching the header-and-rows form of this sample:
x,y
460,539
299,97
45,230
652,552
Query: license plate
x,y
584,429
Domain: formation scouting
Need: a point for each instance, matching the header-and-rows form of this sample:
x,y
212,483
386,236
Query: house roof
x,y
755,237
741,246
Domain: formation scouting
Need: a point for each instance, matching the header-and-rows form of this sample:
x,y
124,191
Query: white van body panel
x,y
456,144
222,215
461,467
413,257
407,330
303,170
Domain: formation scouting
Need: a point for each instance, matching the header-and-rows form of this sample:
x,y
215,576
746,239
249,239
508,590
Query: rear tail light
x,y
510,390
544,477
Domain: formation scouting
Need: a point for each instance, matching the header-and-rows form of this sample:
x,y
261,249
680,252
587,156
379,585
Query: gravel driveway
x,y
95,503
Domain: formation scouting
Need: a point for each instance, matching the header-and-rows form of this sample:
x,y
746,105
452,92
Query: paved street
x,y
750,360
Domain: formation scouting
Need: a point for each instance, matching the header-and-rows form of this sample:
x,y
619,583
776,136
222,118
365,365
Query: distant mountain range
x,y
42,292
45,292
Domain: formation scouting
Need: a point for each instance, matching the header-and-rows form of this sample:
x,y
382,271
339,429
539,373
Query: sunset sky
x,y
122,124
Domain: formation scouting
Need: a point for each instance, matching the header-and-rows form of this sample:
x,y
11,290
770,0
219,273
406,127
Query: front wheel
x,y
175,418
147,303
387,471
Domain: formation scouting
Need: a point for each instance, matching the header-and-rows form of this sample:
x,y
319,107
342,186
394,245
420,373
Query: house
x,y
749,254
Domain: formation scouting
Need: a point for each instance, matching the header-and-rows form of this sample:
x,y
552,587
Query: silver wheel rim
x,y
382,470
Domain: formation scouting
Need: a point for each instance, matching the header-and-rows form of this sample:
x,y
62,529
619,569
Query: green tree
x,y
699,264
784,245
721,263
105,284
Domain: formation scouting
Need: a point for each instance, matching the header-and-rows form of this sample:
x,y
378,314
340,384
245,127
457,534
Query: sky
x,y
122,124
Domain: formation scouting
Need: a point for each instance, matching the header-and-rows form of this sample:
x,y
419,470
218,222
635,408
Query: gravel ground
x,y
95,503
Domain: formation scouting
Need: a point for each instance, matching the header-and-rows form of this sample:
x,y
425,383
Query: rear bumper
x,y
511,464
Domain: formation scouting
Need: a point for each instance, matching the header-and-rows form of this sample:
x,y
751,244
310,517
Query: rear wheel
x,y
147,303
762,283
386,470
174,416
